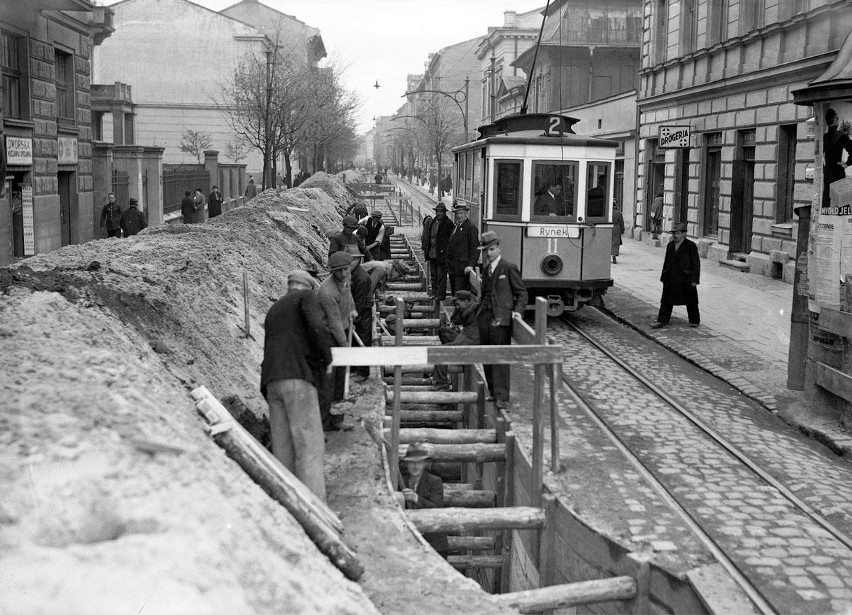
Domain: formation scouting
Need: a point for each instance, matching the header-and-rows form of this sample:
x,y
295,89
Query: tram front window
x,y
554,191
507,195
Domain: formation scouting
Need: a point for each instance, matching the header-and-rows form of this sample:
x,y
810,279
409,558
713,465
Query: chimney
x,y
510,19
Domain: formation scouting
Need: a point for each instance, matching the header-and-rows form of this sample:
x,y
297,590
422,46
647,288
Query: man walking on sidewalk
x,y
680,277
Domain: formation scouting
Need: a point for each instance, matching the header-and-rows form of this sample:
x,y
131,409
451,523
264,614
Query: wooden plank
x,y
448,436
396,418
446,355
522,333
432,397
470,543
555,385
834,380
428,520
469,498
467,453
463,562
431,416
546,599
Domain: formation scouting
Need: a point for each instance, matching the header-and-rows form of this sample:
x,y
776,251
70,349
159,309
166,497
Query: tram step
x,y
471,543
446,436
433,397
455,519
425,417
463,562
465,453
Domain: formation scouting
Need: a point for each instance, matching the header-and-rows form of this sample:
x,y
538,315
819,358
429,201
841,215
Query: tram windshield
x,y
507,195
554,191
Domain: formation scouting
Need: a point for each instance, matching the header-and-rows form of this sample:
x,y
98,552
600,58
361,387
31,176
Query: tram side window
x,y
477,170
597,180
507,195
554,191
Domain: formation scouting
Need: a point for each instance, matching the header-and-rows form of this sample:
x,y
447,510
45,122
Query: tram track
x,y
769,495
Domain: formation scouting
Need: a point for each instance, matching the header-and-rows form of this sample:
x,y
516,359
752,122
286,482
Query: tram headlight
x,y
551,264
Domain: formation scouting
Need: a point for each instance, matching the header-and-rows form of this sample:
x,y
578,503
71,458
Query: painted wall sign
x,y
674,136
19,150
67,150
29,227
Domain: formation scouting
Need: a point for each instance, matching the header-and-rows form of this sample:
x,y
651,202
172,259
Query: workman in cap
x,y
463,330
337,309
361,286
435,251
422,489
132,220
296,353
503,296
375,233
462,248
385,271
347,236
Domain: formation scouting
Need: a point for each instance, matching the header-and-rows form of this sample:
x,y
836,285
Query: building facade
x,y
719,134
45,60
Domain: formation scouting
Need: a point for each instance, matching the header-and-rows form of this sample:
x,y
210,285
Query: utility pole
x,y
266,140
466,109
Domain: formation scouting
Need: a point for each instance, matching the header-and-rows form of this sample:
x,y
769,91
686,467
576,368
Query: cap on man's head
x,y
339,260
463,295
460,206
488,239
440,207
417,451
376,213
361,231
133,201
301,276
352,250
678,227
350,221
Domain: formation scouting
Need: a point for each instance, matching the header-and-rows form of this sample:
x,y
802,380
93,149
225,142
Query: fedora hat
x,y
488,239
440,207
463,295
339,260
460,205
417,451
679,226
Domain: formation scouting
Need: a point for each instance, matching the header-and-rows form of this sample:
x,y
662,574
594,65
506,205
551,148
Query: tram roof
x,y
537,138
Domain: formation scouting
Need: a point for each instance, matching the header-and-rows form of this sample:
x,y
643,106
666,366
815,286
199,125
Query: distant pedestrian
x,y
657,215
617,231
251,189
436,251
200,204
378,178
296,353
462,249
422,489
188,209
132,220
463,330
503,296
375,234
214,202
111,217
680,278
338,243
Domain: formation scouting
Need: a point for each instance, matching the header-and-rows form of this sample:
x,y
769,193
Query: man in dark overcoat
x,y
680,277
133,220
436,251
214,202
296,351
188,209
462,249
503,295
422,489
361,285
338,243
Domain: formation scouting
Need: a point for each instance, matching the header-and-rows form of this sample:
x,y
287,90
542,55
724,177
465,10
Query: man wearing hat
x,y
375,233
347,236
503,295
422,489
385,271
337,308
296,352
361,285
462,331
680,277
435,251
462,248
132,220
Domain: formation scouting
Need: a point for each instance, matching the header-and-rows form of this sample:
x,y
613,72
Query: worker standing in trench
x,y
296,355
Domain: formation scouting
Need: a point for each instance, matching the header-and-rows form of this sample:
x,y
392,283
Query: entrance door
x,y
681,213
742,196
711,191
65,196
656,175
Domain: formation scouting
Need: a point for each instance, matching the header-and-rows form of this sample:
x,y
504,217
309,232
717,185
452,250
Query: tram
x,y
548,194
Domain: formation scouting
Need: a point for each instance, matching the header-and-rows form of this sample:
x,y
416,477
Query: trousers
x,y
438,273
297,438
497,376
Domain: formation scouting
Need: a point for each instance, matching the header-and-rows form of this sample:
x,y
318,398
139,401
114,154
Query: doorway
x,y
66,206
742,193
712,179
681,213
656,178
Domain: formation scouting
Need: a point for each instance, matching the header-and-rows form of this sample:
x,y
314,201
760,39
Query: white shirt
x,y
493,265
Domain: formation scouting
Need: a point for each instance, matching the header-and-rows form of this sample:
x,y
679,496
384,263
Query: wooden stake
x,y
246,304
393,453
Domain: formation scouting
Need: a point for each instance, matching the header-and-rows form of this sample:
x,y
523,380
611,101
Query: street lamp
x,y
454,96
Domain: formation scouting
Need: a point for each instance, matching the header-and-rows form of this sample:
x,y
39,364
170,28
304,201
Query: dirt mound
x,y
114,500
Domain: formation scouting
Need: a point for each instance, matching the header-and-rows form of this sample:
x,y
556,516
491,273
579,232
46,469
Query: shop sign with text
x,y
19,150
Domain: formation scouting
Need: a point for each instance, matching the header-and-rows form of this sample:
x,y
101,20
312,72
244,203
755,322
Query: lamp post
x,y
266,140
463,92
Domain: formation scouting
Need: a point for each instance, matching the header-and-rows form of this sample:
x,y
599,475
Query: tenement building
x,y
45,124
719,134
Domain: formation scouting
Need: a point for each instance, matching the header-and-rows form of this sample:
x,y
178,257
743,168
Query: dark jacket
x,y
296,344
547,205
251,191
617,231
339,242
214,204
462,248
463,329
503,292
445,229
111,217
430,494
424,234
132,221
189,210
361,286
681,268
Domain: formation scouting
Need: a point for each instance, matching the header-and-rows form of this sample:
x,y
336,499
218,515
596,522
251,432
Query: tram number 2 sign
x,y
674,136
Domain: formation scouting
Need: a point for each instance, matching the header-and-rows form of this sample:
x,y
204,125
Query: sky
x,y
385,40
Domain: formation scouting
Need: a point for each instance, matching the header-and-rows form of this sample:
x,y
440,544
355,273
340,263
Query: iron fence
x,y
178,181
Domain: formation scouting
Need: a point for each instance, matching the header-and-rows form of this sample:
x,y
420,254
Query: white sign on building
x,y
67,150
674,136
19,151
29,227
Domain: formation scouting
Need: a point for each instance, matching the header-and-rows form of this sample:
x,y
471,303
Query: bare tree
x,y
237,149
194,143
441,127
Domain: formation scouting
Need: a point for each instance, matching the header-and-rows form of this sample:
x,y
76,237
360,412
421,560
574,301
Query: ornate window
x,y
10,67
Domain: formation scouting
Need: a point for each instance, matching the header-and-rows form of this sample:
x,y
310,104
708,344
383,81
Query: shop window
x,y
13,99
786,173
554,188
64,80
507,192
597,185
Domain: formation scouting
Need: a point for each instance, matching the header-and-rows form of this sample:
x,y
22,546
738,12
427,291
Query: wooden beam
x,y
463,562
834,380
546,599
432,397
470,543
396,416
469,498
446,355
448,436
431,416
468,453
428,520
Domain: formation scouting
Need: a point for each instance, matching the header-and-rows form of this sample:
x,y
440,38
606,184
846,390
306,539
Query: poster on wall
x,y
29,228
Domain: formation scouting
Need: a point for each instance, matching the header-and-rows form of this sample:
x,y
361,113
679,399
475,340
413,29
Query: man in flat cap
x,y
132,220
462,248
296,353
338,243
435,251
503,296
375,233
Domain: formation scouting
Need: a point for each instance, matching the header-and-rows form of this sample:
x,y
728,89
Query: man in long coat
x,y
436,251
680,278
338,243
462,249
